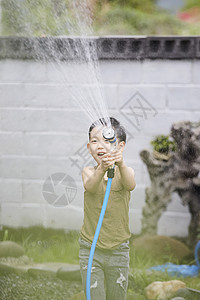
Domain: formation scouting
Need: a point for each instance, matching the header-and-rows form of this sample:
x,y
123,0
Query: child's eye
x,y
94,141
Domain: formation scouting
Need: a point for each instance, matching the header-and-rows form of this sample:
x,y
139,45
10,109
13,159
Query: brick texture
x,y
43,131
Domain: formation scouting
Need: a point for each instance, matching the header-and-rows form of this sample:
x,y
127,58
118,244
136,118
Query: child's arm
x,y
92,178
127,177
127,173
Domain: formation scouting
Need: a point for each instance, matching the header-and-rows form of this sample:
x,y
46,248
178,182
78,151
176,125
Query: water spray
x,y
109,135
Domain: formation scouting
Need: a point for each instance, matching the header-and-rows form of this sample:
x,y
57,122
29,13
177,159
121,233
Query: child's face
x,y
98,145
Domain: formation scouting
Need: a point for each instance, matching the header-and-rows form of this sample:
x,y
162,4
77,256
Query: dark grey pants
x,y
109,275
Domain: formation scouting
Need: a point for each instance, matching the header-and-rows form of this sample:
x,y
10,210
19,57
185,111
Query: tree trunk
x,y
178,174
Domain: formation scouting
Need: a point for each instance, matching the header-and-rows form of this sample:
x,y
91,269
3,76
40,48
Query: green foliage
x,y
136,17
143,5
163,144
111,17
191,3
39,17
125,20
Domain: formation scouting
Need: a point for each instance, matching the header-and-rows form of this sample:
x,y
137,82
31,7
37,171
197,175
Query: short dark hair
x,y
118,128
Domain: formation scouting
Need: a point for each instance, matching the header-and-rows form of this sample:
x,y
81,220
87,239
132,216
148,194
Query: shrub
x,y
163,144
191,3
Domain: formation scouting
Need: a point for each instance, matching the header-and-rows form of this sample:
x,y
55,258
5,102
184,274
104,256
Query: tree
x,y
178,174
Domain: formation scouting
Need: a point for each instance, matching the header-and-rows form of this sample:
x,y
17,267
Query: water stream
x,y
81,78
74,60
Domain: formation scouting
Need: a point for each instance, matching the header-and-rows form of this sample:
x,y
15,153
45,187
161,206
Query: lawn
x,y
49,245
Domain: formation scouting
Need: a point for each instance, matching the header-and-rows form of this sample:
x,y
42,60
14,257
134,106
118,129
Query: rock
x,y
23,264
8,248
161,246
5,269
178,298
44,269
8,269
69,272
182,292
16,265
61,270
162,290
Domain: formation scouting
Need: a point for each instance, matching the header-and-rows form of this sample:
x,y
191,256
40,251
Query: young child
x,y
109,275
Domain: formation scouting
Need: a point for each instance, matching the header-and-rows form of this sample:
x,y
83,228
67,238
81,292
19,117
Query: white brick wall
x,y
41,128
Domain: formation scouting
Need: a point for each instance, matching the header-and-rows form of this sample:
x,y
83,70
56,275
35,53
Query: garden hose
x,y
108,134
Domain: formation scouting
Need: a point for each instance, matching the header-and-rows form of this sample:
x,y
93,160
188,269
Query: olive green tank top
x,y
115,227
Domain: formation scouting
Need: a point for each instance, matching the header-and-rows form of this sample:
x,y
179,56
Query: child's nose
x,y
100,145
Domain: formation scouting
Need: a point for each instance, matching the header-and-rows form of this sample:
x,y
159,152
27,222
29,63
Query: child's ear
x,y
121,146
88,146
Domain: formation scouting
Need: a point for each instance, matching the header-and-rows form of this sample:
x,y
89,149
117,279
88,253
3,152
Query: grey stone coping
x,y
109,47
61,270
6,268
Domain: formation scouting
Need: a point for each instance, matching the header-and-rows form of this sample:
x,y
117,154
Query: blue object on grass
x,y
181,270
177,270
196,253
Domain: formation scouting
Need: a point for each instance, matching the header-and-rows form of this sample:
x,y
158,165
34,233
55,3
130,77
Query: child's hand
x,y
107,161
117,156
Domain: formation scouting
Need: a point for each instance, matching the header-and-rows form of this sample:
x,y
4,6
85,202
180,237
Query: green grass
x,y
56,249
45,245
142,278
49,245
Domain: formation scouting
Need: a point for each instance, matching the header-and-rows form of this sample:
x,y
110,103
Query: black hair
x,y
118,128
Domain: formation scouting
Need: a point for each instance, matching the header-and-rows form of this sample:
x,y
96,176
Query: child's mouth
x,y
100,154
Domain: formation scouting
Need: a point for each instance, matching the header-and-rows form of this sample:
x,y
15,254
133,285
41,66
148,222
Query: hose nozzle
x,y
109,134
